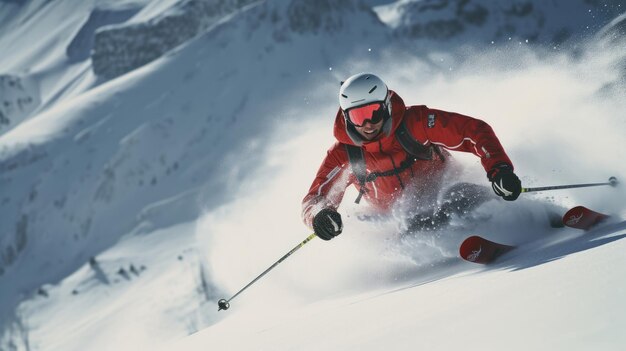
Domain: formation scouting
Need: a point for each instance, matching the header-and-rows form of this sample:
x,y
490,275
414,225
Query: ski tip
x,y
580,217
480,250
574,215
471,248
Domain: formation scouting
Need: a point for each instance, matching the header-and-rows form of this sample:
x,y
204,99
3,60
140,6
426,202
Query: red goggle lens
x,y
373,113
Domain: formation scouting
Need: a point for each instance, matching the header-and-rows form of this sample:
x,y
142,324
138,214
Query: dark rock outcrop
x,y
121,48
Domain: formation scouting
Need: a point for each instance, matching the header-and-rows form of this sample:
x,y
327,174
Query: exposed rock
x,y
119,49
21,231
305,17
19,97
82,44
470,21
321,15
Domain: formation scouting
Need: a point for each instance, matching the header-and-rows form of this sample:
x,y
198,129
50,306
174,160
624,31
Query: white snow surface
x,y
129,207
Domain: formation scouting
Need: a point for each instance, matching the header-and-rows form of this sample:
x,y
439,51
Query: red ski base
x,y
582,218
480,250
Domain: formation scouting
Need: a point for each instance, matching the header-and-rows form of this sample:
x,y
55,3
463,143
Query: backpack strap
x,y
414,147
357,162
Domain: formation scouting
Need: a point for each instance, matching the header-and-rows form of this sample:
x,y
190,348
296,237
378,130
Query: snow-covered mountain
x,y
484,22
129,205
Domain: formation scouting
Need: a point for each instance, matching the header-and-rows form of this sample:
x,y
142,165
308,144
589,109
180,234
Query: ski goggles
x,y
373,113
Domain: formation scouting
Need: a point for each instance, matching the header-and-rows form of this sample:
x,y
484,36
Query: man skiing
x,y
396,156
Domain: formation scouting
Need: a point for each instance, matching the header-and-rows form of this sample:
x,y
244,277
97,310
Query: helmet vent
x,y
344,95
374,88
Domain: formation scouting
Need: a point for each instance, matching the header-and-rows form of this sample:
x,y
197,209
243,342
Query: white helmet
x,y
362,89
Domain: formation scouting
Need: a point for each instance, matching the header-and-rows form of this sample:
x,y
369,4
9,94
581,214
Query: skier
x,y
396,156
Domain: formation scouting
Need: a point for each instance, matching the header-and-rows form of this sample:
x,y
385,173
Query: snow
x,y
519,302
130,206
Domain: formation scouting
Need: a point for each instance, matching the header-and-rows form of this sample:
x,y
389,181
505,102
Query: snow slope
x,y
574,302
131,207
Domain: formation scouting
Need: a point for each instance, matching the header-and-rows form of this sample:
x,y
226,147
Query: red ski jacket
x,y
449,130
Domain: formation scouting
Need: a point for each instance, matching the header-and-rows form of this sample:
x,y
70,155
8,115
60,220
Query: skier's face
x,y
369,131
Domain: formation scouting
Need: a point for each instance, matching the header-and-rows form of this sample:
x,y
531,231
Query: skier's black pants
x,y
459,199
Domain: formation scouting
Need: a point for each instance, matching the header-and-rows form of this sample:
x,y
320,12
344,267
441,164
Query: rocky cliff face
x,y
19,96
121,48
323,15
484,21
83,42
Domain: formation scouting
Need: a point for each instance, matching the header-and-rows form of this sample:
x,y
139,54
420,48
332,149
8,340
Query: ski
x,y
583,218
480,250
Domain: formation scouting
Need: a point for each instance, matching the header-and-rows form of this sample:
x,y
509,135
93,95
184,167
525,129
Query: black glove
x,y
504,182
327,224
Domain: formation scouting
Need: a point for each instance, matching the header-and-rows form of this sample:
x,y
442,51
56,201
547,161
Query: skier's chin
x,y
370,135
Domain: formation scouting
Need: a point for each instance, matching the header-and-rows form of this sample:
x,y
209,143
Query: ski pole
x,y
224,304
612,182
